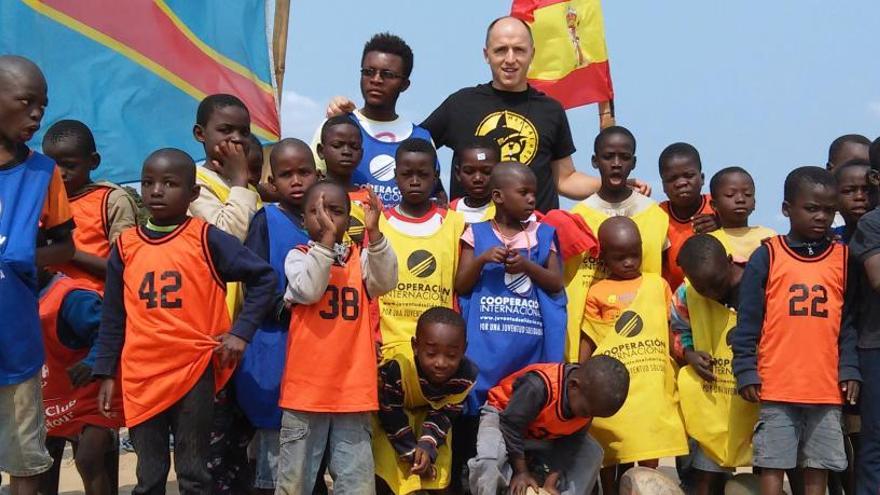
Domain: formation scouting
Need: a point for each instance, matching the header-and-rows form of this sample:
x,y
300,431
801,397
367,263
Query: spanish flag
x,y
135,70
571,60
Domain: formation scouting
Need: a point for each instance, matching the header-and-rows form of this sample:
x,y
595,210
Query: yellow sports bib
x,y
426,277
742,242
649,424
389,467
714,414
580,271
234,290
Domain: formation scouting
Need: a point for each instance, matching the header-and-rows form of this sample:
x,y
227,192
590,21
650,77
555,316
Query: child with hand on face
x,y
419,398
626,317
328,401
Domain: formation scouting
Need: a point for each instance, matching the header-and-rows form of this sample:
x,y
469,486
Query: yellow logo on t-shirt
x,y
516,135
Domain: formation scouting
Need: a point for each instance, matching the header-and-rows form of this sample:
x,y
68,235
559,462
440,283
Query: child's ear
x,y
497,196
270,179
712,203
320,150
95,159
194,194
199,133
414,343
786,208
634,162
593,161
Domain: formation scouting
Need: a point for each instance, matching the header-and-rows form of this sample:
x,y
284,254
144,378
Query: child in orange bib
x,y
101,210
792,349
70,314
165,324
329,386
550,405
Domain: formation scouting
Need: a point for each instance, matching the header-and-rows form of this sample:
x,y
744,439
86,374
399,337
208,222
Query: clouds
x,y
300,115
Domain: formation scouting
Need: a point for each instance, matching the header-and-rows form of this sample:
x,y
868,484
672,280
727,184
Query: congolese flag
x,y
135,70
571,60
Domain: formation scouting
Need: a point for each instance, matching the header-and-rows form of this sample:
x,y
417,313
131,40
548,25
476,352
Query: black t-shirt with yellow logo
x,y
530,127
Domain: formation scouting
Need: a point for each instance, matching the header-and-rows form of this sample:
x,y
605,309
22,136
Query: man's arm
x,y
236,263
750,318
111,334
571,183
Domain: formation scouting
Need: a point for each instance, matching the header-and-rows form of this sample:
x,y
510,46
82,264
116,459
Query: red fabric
x,y
68,409
589,84
680,230
575,236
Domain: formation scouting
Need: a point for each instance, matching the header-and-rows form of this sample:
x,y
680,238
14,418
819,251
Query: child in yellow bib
x,y
627,318
425,239
418,400
733,198
614,157
703,314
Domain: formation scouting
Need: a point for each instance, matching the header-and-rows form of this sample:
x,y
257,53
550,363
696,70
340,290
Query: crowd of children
x,y
276,332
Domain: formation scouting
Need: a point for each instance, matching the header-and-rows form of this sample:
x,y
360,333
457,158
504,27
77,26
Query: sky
x,y
766,85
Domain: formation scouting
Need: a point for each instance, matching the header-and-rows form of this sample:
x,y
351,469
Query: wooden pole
x,y
279,43
606,114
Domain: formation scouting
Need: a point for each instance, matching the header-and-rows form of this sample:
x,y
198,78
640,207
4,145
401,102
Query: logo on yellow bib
x,y
421,263
515,134
629,324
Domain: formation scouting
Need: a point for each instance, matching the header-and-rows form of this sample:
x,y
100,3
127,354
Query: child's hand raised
x,y
233,163
850,389
701,362
372,210
327,227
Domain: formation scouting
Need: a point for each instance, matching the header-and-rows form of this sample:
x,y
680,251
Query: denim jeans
x,y
347,439
189,419
577,457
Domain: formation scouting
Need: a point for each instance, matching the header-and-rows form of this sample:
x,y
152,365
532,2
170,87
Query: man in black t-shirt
x,y
530,127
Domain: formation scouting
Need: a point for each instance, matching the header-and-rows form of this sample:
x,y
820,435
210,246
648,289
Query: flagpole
x,y
606,114
279,43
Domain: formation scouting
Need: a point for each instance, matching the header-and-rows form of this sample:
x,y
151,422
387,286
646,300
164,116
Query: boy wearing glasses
x,y
386,65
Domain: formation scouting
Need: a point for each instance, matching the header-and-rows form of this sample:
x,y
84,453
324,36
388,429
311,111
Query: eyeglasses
x,y
384,74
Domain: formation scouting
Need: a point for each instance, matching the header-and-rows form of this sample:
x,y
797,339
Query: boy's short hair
x,y
187,168
608,377
289,143
609,131
216,102
416,145
838,143
800,177
504,170
71,130
715,181
701,252
874,154
855,162
481,143
393,45
322,184
443,316
335,121
684,150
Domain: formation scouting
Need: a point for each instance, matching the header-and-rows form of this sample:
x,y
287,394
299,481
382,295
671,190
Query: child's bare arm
x,y
95,265
59,252
586,349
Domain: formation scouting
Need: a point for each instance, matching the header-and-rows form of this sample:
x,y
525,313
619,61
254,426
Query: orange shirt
x,y
56,209
331,349
608,298
92,231
550,422
798,352
680,230
175,305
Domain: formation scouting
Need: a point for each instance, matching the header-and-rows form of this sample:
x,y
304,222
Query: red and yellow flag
x,y
571,60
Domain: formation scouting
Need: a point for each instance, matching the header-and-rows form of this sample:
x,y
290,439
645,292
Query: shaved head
x,y
509,24
506,172
618,230
175,161
13,67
